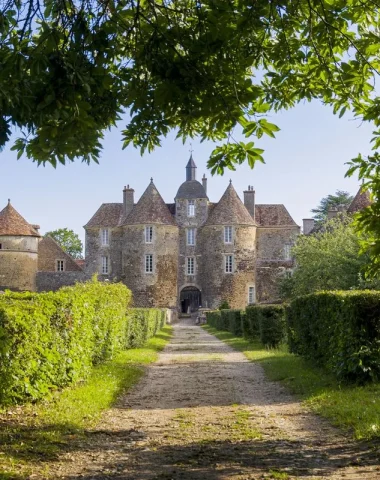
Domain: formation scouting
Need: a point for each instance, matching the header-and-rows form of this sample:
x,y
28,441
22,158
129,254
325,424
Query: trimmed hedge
x,y
338,330
266,322
51,340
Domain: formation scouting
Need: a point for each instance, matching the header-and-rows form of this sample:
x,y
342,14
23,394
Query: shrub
x,y
272,324
51,340
214,319
250,325
224,305
338,330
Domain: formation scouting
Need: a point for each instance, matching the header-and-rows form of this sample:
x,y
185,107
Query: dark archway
x,y
190,297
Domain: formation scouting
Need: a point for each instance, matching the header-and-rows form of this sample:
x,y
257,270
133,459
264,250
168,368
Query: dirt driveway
x,y
204,412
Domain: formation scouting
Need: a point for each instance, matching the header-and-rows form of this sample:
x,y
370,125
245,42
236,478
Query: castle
x,y
192,252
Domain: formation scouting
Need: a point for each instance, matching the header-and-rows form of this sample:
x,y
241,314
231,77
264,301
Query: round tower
x,y
191,211
150,252
18,251
228,244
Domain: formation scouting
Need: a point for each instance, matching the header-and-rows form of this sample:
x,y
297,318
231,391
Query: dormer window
x,y
148,234
191,208
105,236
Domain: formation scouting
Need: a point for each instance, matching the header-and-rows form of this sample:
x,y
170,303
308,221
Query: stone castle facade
x,y
192,252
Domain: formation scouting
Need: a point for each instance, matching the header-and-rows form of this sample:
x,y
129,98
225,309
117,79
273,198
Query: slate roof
x,y
362,200
151,208
191,163
12,223
108,215
230,210
273,215
191,189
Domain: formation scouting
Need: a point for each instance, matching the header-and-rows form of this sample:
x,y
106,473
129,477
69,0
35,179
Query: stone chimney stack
x,y
204,183
128,200
308,225
249,201
332,213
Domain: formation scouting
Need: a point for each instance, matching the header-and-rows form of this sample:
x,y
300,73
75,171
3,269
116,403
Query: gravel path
x,y
204,412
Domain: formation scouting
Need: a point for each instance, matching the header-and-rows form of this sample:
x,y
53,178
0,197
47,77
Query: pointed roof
x,y
362,200
151,208
191,163
273,215
230,210
49,251
12,223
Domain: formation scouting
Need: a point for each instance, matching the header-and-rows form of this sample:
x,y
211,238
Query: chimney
x,y
249,201
308,225
128,200
204,183
332,213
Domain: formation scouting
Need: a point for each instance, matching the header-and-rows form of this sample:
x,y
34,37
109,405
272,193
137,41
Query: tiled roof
x,y
12,223
191,189
230,210
49,251
362,200
151,208
273,215
108,215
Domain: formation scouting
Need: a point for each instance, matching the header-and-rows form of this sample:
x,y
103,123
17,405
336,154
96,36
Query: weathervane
x,y
191,148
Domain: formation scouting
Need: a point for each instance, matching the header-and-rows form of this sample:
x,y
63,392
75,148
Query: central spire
x,y
191,169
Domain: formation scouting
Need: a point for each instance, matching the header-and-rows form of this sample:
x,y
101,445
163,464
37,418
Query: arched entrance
x,y
190,299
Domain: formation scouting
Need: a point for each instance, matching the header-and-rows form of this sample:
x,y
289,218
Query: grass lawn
x,y
356,408
31,434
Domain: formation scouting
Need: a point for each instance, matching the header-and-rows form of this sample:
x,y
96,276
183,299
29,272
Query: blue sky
x,y
304,163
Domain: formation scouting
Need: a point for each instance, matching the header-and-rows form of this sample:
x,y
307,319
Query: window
x,y
105,265
149,263
227,234
60,265
105,236
191,208
1,246
191,236
287,251
251,295
190,266
228,263
149,234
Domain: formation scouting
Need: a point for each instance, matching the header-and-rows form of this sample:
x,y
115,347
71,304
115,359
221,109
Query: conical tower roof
x,y
230,210
151,208
12,223
191,163
362,200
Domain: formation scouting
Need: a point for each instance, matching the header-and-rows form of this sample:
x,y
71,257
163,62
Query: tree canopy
x,y
68,240
206,69
328,260
339,199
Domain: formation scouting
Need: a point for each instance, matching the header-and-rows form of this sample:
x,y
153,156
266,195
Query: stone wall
x,y
51,281
95,250
48,254
18,262
272,263
218,285
159,288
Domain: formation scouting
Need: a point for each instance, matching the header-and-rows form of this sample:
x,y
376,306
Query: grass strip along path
x,y
355,409
204,411
31,436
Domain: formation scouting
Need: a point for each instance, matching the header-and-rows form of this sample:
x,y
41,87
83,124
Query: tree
x,y
341,198
206,69
68,240
328,260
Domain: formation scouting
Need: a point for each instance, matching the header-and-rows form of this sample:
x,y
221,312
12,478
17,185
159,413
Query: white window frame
x,y
149,263
251,295
105,236
190,266
191,208
228,264
228,234
148,234
287,251
60,263
105,266
190,236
